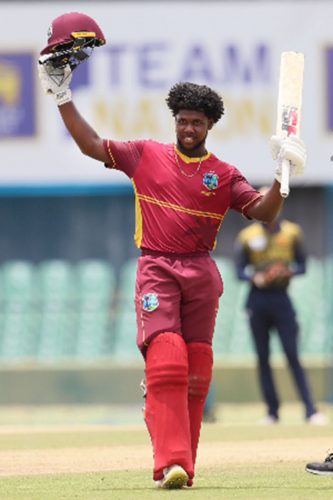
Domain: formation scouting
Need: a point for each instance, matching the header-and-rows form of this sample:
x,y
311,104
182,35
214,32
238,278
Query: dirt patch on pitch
x,y
99,459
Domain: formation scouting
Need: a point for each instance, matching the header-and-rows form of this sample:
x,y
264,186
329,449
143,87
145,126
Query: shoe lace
x,y
329,457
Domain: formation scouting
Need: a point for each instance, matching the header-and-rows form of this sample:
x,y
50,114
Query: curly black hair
x,y
191,96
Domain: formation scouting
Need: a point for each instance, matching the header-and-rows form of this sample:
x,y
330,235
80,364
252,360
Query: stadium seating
x,y
231,332
17,281
308,293
96,289
55,281
57,310
56,300
19,316
328,299
125,322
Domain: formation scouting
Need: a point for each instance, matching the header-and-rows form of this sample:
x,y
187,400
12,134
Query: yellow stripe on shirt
x,y
138,219
190,211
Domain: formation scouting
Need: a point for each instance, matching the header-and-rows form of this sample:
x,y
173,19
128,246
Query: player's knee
x,y
200,358
167,361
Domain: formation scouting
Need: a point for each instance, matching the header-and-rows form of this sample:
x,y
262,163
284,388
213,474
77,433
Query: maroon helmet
x,y
66,30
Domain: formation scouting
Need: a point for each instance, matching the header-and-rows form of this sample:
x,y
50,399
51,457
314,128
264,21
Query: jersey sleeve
x,y
242,193
299,265
124,156
242,262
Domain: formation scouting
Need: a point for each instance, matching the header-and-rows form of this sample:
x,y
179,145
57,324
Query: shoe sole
x,y
319,472
175,480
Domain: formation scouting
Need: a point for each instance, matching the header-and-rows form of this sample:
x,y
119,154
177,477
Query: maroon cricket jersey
x,y
179,207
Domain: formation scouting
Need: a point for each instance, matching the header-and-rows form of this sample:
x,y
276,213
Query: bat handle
x,y
284,187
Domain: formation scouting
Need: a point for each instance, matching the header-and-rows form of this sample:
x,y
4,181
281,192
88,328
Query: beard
x,y
196,147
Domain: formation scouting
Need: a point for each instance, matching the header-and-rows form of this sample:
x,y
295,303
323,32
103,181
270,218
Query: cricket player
x,y
268,256
183,192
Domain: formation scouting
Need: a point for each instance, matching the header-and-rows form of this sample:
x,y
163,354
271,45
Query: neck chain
x,y
182,171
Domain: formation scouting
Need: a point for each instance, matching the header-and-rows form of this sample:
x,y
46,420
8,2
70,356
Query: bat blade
x,y
289,104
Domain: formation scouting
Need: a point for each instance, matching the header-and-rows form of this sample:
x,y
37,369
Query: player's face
x,y
191,131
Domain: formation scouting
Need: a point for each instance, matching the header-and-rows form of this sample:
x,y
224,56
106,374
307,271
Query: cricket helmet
x,y
69,29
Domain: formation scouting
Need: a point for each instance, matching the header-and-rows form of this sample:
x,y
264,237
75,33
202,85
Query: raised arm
x,y
267,208
83,134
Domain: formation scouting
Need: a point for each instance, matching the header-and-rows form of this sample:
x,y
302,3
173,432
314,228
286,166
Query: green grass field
x,y
74,453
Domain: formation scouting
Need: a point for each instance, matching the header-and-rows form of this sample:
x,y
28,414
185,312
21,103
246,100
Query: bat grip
x,y
284,186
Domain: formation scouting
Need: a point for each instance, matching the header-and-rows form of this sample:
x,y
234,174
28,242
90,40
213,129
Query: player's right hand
x,y
56,82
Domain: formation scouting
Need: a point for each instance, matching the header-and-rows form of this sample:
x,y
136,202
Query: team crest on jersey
x,y
150,302
210,180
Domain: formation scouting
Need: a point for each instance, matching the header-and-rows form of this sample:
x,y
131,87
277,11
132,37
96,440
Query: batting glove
x,y
290,148
55,82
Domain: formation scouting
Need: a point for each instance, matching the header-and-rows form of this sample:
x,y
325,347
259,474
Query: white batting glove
x,y
290,148
55,82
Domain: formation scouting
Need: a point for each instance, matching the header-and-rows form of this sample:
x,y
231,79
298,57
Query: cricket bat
x,y
289,105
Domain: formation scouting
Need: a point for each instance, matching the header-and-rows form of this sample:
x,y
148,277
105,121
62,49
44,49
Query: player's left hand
x,y
56,82
290,148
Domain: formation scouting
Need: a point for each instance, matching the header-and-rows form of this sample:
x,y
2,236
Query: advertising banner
x,y
233,47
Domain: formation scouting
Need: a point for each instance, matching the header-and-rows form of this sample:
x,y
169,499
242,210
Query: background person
x,y
268,256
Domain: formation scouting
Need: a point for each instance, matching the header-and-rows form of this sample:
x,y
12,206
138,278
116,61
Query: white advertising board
x,y
234,47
